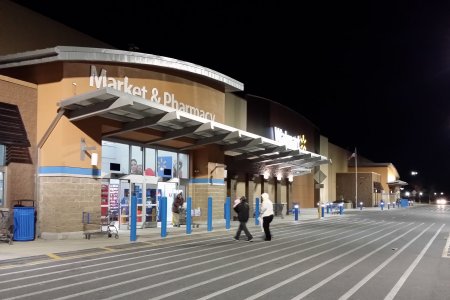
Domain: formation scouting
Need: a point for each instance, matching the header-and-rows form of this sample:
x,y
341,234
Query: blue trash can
x,y
23,223
404,202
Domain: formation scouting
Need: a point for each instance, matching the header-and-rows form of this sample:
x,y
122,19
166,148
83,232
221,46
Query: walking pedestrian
x,y
177,204
266,213
243,211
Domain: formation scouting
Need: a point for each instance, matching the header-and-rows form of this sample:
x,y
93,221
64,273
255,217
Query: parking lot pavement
x,y
44,249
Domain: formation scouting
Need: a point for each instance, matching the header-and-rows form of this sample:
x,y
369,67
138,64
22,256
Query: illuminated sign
x,y
168,99
292,142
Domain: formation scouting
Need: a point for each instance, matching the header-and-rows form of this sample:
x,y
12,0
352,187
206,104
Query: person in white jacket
x,y
266,213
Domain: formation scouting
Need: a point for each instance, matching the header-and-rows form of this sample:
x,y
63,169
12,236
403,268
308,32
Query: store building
x,y
109,123
92,126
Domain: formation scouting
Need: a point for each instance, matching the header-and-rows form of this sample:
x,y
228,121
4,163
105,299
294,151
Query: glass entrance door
x,y
146,197
2,190
168,190
151,205
139,193
124,191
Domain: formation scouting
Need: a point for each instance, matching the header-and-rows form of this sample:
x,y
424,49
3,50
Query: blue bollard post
x,y
163,215
209,225
257,211
227,213
296,212
323,211
133,212
328,208
341,209
189,215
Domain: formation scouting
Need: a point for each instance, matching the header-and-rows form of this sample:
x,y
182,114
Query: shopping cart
x,y
6,229
183,217
107,226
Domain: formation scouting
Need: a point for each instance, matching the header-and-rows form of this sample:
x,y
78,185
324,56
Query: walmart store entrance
x,y
116,200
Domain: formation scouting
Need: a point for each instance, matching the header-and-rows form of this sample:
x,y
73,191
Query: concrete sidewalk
x,y
40,249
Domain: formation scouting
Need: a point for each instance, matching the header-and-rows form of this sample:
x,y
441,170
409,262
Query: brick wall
x,y
200,194
62,201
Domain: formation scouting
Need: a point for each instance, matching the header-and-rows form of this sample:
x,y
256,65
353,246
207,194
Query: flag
x,y
351,156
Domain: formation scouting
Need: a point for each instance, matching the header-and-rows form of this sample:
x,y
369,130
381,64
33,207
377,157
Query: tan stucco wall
x,y
382,171
303,191
325,192
346,186
339,157
235,112
63,146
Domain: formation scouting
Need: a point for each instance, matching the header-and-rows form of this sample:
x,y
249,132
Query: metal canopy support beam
x,y
179,133
291,155
298,172
205,127
303,162
136,125
100,94
214,139
99,108
317,163
171,116
206,141
266,152
233,135
244,144
288,159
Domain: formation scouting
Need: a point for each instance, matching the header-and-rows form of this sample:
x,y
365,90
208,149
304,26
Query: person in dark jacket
x,y
243,211
177,204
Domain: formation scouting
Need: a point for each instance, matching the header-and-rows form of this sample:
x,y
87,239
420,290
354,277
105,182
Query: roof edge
x,y
72,53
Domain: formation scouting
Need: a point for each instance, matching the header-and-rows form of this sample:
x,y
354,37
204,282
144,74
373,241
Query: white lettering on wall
x,y
102,81
123,86
169,100
291,142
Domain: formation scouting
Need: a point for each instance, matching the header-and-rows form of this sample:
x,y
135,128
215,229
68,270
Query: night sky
x,y
370,75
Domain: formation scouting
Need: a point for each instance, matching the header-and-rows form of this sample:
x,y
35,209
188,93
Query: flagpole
x,y
356,179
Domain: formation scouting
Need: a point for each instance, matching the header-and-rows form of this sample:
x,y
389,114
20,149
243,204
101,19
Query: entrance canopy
x,y
130,118
397,183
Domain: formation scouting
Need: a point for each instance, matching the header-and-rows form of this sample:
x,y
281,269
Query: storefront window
x,y
115,158
136,160
150,162
165,162
126,159
181,169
